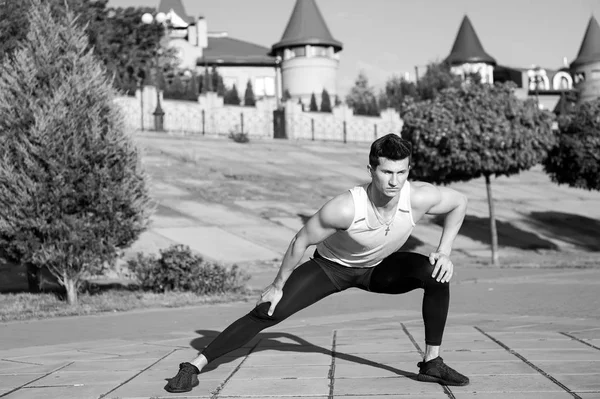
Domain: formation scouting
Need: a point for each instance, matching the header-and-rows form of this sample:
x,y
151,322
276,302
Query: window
x,y
320,51
299,51
562,81
596,74
579,77
264,86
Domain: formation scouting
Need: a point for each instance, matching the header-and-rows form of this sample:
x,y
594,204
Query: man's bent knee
x,y
261,313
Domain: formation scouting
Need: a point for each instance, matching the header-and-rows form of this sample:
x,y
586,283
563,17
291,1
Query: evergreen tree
x,y
325,101
313,104
193,89
175,88
72,193
396,93
208,82
362,97
338,101
201,84
217,82
231,96
249,99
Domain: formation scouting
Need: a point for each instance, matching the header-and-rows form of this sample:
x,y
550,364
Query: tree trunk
x,y
493,232
71,288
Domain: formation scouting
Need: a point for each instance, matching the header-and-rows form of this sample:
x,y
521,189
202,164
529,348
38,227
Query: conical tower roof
x,y
590,46
306,26
467,47
177,6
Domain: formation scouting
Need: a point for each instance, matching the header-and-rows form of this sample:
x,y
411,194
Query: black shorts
x,y
344,277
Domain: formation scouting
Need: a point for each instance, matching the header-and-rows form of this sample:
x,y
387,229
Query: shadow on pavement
x,y
574,229
478,229
268,341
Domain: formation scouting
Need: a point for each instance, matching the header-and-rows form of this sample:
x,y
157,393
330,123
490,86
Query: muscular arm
x,y
336,214
432,200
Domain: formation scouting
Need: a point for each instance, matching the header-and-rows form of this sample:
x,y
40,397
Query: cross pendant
x,y
387,230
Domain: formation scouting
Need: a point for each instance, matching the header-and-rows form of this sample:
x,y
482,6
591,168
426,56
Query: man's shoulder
x,y
339,211
343,201
420,187
423,193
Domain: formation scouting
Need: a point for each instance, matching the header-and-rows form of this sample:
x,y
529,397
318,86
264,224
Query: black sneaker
x,y
436,370
185,380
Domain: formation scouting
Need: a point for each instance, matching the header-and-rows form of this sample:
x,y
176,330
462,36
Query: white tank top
x,y
362,245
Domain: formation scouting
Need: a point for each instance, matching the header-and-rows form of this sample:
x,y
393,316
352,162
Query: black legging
x,y
399,273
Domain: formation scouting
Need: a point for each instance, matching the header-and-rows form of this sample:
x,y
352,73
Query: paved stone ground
x,y
369,355
517,333
351,345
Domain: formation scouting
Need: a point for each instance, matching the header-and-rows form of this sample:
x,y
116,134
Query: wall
x,y
340,125
211,117
256,122
207,116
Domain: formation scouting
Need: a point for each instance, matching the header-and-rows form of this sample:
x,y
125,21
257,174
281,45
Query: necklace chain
x,y
379,217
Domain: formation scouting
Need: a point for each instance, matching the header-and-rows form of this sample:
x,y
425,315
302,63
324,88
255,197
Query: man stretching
x,y
358,235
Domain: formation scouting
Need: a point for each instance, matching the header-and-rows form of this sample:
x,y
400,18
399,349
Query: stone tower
x,y
468,56
586,67
309,54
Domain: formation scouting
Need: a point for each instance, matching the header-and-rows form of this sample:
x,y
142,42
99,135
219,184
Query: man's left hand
x,y
443,269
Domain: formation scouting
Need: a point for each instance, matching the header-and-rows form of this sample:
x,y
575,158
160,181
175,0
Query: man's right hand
x,y
270,294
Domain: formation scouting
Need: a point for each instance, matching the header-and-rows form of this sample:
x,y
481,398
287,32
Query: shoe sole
x,y
194,385
429,378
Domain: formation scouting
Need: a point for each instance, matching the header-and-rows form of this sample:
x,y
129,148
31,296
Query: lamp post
x,y
278,83
536,75
141,77
159,115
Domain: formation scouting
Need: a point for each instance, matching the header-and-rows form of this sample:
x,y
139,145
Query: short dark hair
x,y
390,146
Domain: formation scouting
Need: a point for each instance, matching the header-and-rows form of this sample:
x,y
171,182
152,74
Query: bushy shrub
x,y
575,158
178,269
239,137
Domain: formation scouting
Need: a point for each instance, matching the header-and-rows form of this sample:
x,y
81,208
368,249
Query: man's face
x,y
389,176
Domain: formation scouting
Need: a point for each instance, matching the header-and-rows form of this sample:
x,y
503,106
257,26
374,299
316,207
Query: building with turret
x,y
468,56
585,69
549,86
308,52
303,62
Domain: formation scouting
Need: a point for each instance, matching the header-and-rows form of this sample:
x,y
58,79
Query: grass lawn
x,y
25,306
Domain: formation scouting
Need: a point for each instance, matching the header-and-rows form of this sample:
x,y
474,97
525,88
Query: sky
x,y
384,38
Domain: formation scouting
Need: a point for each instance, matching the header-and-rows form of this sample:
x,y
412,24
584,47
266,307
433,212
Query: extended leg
x,y
306,285
403,272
